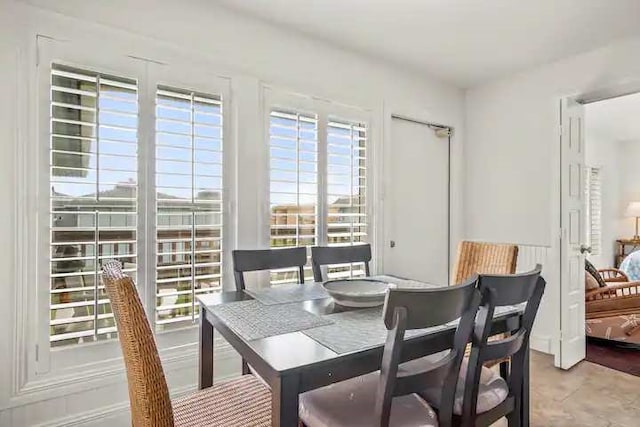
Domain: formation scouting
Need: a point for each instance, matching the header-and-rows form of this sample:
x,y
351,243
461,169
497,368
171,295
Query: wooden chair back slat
x,y
510,289
267,259
438,306
504,347
325,255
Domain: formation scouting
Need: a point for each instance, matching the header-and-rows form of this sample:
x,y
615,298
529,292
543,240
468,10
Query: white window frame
x,y
596,246
197,80
72,361
325,110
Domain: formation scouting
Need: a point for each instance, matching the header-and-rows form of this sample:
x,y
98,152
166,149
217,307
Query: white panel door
x,y
572,307
417,203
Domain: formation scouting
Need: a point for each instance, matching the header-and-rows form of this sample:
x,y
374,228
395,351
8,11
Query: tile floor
x,y
586,395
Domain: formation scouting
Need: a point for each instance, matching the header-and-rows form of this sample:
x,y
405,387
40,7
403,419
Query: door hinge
x,y
37,353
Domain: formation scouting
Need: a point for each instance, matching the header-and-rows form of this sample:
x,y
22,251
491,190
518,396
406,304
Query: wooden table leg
x,y
205,352
284,401
524,407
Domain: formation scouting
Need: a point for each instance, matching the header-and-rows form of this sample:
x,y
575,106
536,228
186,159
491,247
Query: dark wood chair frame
x,y
416,309
267,259
324,255
500,291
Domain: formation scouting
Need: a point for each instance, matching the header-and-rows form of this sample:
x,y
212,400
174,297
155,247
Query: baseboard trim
x,y
88,417
81,380
541,343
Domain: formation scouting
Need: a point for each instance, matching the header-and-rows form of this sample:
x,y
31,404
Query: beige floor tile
x,y
613,386
556,383
549,413
586,395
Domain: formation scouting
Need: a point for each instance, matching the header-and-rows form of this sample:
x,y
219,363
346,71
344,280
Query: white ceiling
x,y
615,119
464,42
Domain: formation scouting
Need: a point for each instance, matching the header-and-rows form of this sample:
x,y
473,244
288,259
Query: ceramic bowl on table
x,y
357,292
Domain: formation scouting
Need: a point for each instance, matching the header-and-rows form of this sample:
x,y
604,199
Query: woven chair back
x,y
484,258
148,391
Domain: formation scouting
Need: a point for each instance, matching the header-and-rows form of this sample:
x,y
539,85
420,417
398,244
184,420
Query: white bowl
x,y
357,292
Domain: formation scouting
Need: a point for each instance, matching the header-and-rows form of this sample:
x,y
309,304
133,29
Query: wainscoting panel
x,y
529,256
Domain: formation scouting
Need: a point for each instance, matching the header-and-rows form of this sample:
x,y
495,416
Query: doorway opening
x,y
599,205
612,212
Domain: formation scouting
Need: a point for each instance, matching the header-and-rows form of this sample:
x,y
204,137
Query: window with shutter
x,y
189,202
318,185
346,191
594,209
293,145
93,197
94,207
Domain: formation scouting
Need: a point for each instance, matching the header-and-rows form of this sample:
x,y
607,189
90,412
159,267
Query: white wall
x,y
512,155
620,177
251,54
629,185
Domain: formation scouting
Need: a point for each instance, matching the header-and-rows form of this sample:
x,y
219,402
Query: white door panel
x,y
417,203
572,307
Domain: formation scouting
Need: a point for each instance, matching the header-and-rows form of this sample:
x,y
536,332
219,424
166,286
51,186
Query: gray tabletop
x,y
304,317
294,356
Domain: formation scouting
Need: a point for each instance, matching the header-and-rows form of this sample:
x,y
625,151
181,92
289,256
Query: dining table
x,y
297,339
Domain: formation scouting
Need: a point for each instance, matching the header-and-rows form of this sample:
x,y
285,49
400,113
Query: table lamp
x,y
633,210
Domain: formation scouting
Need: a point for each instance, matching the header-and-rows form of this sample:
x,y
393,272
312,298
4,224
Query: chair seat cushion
x,y
244,402
352,403
493,389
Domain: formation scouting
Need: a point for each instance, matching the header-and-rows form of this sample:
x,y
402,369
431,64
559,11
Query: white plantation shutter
x,y
299,156
594,209
134,172
293,146
346,190
189,202
93,197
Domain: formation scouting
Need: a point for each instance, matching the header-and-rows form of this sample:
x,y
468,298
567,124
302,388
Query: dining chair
x,y
236,403
482,395
325,255
484,258
388,397
267,259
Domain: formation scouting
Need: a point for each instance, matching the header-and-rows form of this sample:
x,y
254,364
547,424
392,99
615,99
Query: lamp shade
x,y
633,209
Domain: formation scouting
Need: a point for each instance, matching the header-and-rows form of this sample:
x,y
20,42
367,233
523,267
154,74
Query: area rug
x,y
614,355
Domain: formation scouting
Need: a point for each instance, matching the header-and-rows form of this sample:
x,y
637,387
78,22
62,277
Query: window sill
x,y
59,383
